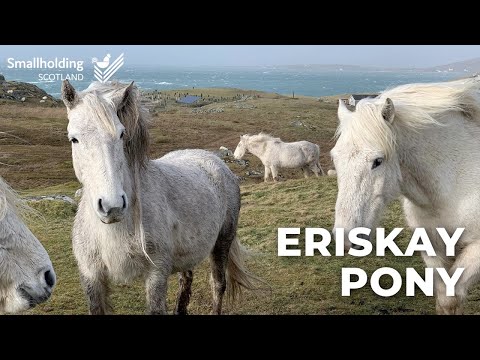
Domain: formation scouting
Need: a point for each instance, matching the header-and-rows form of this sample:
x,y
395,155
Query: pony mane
x,y
264,137
103,98
9,199
416,106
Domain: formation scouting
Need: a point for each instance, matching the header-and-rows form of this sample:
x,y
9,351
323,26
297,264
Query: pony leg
x,y
469,259
438,284
156,286
97,290
305,172
218,263
184,292
274,173
316,168
320,167
438,261
267,173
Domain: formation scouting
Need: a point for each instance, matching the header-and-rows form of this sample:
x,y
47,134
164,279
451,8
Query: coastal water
x,y
271,79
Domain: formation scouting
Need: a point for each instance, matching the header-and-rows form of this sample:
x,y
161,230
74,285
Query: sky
x,y
254,55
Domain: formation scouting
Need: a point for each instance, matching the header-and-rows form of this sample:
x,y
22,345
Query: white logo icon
x,y
104,70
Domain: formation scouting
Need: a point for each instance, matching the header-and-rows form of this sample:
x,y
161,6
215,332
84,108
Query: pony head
x,y
241,147
375,139
109,138
368,170
27,277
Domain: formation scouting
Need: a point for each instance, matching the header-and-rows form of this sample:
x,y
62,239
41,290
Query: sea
x,y
285,81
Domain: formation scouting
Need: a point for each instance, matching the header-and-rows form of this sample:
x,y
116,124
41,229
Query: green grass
x,y
40,164
298,285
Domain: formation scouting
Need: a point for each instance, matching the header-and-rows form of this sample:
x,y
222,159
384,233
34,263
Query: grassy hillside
x,y
42,158
40,164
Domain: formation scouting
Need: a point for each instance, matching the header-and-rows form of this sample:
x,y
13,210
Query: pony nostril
x,y
49,278
124,201
100,206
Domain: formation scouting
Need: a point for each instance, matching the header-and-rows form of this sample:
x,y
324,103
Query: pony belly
x,y
187,260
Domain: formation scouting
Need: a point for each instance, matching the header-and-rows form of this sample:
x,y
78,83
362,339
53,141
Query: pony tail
x,y
237,275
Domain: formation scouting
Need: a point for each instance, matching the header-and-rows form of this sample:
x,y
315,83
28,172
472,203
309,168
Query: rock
x,y
22,99
253,173
63,198
16,91
297,123
42,101
208,111
245,106
244,98
331,172
78,193
224,152
242,162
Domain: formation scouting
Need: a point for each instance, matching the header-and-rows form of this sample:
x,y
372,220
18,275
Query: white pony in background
x,y
421,141
276,154
27,277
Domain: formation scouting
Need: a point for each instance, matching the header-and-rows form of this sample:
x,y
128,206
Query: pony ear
x,y
343,113
388,111
128,95
69,95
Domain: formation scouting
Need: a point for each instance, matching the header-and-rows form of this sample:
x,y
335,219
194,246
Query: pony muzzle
x,y
41,291
112,211
347,244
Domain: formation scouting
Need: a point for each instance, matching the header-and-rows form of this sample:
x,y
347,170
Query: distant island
x,y
471,66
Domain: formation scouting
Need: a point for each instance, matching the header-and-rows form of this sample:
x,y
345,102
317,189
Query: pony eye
x,y
121,135
74,140
377,162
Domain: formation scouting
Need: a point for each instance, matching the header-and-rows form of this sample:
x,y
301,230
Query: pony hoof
x,y
451,307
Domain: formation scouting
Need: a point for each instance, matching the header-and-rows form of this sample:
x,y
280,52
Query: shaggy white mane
x,y
416,106
263,137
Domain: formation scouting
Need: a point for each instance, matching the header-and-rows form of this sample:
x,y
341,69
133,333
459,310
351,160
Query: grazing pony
x,y
420,142
276,154
27,277
147,218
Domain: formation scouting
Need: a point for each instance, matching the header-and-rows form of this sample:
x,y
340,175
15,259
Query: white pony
x,y
144,218
276,154
421,141
27,277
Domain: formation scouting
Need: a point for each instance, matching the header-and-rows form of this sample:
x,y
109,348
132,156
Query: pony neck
x,y
255,148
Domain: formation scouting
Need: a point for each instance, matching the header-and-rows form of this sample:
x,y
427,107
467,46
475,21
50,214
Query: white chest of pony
x,y
144,218
420,142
